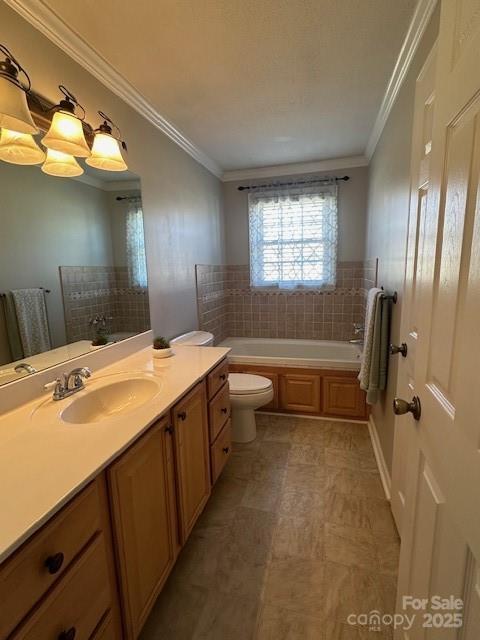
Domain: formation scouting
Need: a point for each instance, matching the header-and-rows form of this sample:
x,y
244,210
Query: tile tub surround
x,y
297,534
228,306
88,291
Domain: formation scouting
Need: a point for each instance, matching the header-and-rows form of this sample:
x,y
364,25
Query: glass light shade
x,y
66,135
61,165
19,148
106,153
14,112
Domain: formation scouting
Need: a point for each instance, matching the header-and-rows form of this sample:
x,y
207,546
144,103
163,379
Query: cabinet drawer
x,y
219,411
78,601
220,451
32,570
217,378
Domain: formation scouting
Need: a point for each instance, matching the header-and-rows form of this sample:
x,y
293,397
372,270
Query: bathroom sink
x,y
110,400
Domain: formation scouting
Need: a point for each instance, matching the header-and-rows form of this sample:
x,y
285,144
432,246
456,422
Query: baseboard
x,y
310,416
379,457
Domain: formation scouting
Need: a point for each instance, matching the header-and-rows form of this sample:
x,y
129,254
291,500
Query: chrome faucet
x,y
24,366
358,330
69,383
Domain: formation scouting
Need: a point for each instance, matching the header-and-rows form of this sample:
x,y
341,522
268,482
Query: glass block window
x,y
293,237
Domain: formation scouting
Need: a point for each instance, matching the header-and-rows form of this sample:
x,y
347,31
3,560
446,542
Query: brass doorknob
x,y
400,407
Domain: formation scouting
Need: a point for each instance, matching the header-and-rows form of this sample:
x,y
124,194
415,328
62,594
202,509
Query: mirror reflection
x,y
73,272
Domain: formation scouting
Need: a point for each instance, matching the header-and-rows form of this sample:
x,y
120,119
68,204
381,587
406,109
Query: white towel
x,y
373,298
32,320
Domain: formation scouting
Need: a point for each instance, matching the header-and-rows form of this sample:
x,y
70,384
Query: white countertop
x,y
45,462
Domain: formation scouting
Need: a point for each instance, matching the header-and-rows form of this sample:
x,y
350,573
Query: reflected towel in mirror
x,y
32,320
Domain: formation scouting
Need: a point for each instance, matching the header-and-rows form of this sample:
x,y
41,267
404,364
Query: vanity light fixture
x,y
106,152
19,148
61,165
14,112
66,133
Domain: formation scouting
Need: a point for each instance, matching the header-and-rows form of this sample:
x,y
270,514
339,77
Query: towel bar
x,y
3,295
393,297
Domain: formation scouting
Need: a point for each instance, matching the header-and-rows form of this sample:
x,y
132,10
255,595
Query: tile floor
x,y
297,534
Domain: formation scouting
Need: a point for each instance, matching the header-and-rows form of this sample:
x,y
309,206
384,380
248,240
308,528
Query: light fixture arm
x,y
108,124
10,68
69,103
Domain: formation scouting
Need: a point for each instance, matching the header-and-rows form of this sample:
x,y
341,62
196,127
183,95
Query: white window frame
x,y
258,229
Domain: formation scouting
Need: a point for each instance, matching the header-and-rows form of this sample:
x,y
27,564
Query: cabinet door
x,y
143,516
192,456
300,392
342,397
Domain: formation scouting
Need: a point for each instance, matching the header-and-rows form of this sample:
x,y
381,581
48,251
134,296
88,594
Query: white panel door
x,y
440,553
420,177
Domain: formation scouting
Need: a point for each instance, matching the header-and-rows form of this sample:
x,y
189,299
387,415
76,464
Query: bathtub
x,y
315,354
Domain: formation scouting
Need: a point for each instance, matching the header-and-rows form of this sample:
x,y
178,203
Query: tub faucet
x,y
358,328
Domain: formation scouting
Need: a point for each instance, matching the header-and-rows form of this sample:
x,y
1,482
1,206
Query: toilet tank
x,y
194,338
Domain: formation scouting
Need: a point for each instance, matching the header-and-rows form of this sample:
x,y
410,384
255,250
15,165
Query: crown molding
x,y
295,168
418,24
55,29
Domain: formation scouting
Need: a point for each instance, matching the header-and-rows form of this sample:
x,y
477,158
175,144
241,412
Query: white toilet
x,y
248,392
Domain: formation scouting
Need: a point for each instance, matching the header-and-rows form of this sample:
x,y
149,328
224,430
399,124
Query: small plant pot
x,y
162,353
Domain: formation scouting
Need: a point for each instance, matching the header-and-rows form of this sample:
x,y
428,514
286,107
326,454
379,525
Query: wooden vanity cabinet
x,y
63,577
189,417
134,518
219,412
142,497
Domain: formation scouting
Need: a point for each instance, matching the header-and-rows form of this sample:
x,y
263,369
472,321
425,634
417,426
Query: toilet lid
x,y
243,383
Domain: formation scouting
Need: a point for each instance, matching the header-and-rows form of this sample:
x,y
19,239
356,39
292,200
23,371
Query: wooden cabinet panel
x,y
219,411
220,451
300,392
143,514
192,457
27,575
342,397
106,629
216,378
78,601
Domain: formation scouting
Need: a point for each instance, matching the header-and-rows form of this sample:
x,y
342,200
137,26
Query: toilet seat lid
x,y
244,383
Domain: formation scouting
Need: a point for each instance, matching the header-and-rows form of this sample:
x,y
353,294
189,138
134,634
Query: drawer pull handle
x,y
182,415
169,429
224,410
69,634
54,563
223,376
226,449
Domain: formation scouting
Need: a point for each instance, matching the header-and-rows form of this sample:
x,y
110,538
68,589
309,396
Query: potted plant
x,y
100,340
161,348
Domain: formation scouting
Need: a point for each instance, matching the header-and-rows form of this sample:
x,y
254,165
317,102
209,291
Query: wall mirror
x,y
72,265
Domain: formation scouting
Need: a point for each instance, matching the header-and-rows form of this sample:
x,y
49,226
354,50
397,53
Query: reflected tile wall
x,y
90,291
228,306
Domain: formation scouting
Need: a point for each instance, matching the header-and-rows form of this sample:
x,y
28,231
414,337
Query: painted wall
x,y
182,201
387,217
352,205
46,222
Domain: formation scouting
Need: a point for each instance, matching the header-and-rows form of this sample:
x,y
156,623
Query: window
x,y
136,259
293,237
